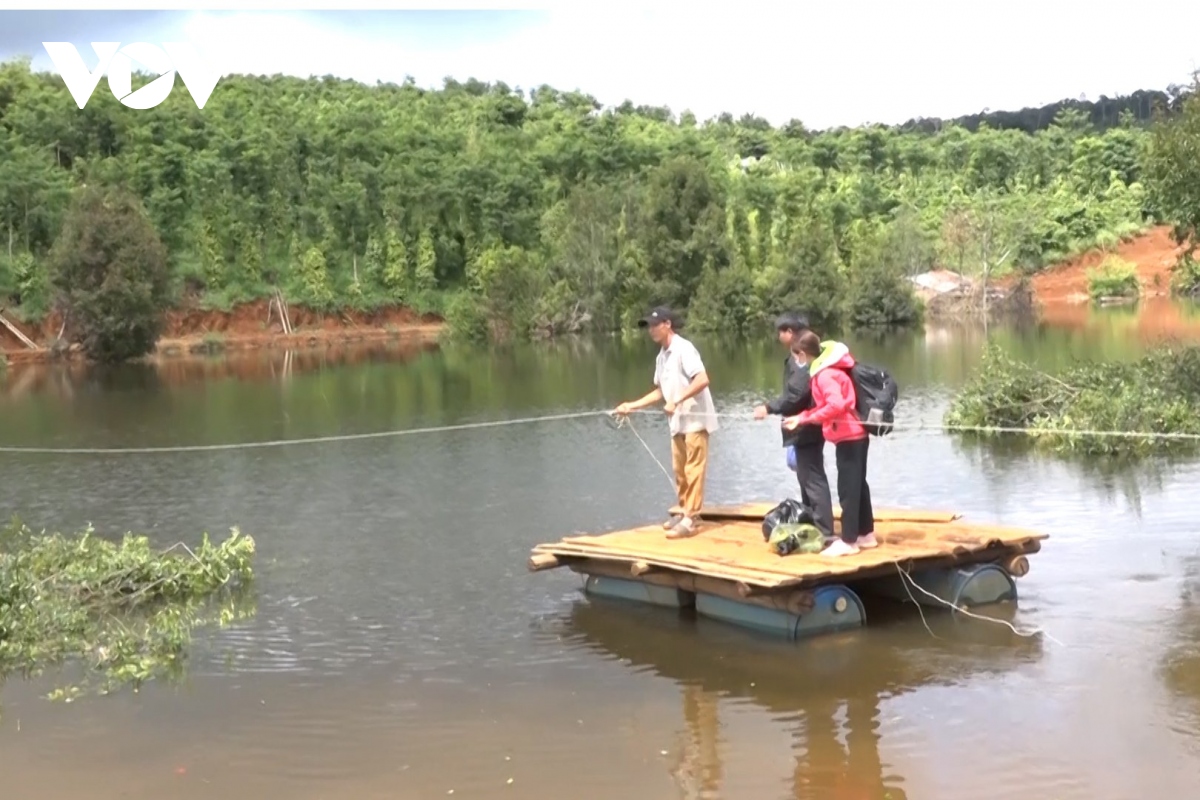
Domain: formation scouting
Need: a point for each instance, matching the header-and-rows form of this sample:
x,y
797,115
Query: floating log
x,y
1016,565
540,561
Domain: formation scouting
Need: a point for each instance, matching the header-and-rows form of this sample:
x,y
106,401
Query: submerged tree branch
x,y
121,609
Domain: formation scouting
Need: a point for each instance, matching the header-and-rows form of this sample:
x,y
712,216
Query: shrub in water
x,y
1154,395
123,611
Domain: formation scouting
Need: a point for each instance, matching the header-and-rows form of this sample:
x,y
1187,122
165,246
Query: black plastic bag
x,y
789,511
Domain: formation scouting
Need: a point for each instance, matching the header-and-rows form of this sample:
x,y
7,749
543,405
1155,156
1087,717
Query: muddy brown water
x,y
400,649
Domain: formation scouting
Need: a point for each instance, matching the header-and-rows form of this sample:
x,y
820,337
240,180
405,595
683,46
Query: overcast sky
x,y
824,63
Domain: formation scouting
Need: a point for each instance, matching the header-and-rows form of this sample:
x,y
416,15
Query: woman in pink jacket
x,y
834,402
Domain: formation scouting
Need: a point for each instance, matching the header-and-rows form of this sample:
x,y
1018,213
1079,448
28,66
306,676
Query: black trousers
x,y
858,518
814,484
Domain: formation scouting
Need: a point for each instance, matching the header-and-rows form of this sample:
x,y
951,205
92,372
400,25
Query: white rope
x,y
907,580
943,428
623,422
898,427
284,442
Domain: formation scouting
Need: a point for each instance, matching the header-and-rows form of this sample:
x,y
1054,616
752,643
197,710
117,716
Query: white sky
x,y
826,63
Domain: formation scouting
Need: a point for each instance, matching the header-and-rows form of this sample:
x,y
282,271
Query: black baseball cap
x,y
792,321
659,314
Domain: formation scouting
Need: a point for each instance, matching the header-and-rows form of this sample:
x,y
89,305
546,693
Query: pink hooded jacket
x,y
834,399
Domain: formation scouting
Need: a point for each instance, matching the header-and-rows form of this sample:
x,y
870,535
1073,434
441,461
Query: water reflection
x,y
803,687
440,382
1153,319
1007,462
1180,663
60,379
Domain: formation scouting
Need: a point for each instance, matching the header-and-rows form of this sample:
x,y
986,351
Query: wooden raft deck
x,y
729,547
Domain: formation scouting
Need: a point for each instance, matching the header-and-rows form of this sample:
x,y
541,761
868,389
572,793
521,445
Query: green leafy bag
x,y
791,537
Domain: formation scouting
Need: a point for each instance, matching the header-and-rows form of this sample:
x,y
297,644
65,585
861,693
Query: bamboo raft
x,y
728,571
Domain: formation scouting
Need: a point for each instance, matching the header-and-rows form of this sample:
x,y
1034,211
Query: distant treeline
x,y
1142,106
543,211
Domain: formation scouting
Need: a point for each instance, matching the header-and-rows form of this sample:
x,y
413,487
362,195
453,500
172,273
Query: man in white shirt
x,y
681,382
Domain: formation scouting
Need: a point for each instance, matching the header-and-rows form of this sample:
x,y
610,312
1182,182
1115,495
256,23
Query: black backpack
x,y
876,393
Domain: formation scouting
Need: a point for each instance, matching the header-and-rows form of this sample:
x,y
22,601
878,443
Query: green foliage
x,y
354,195
122,611
425,275
725,300
313,279
1185,277
505,283
1172,167
29,285
250,257
466,318
1156,394
212,259
109,269
879,293
390,262
1116,277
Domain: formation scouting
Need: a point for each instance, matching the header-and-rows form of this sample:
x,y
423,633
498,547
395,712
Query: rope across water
x,y
603,414
615,421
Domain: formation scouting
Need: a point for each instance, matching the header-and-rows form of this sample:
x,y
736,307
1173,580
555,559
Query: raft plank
x,y
758,510
734,550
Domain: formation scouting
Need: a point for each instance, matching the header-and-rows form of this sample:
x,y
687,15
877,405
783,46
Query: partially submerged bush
x,y
1116,278
123,611
1141,400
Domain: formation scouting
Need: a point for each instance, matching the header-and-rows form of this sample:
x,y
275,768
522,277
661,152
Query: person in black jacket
x,y
806,443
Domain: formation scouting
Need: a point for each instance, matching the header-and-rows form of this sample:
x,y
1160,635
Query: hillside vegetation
x,y
518,214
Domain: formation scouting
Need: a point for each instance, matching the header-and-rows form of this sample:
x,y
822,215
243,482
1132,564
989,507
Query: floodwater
x,y
400,649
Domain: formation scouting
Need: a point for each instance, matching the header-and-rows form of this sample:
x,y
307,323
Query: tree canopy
x,y
109,269
519,212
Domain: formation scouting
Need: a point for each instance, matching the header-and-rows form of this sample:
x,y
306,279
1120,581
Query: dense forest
x,y
519,213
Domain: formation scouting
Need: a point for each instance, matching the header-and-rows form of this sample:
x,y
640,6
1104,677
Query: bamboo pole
x,y
540,561
287,316
284,319
17,332
1017,566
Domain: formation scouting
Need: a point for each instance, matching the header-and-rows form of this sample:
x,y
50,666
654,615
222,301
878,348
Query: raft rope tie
x,y
912,428
626,422
907,580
